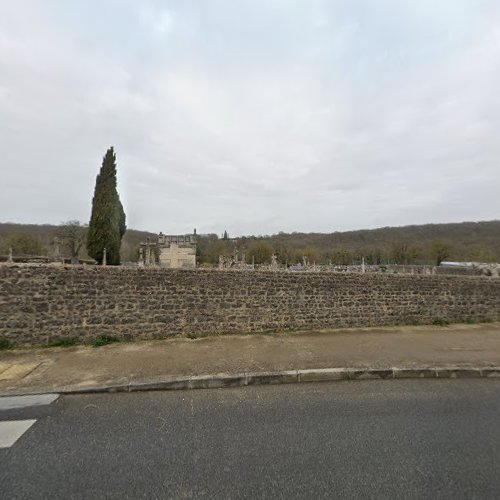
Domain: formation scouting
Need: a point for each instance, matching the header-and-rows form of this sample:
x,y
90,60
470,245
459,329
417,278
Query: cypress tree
x,y
107,221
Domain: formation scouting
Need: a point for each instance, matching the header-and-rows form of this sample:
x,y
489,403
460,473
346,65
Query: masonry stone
x,y
43,302
174,251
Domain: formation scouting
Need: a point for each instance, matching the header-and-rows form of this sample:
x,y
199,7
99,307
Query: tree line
x,y
467,241
422,244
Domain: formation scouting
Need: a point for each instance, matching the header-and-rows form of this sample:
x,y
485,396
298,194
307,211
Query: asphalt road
x,y
362,439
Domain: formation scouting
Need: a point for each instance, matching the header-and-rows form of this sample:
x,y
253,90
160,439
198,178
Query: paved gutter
x,y
222,380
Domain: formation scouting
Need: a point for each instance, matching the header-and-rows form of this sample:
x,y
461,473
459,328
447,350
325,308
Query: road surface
x,y
361,439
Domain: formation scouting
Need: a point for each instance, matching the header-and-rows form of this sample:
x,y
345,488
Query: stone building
x,y
170,251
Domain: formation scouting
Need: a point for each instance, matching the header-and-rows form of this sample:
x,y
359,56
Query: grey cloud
x,y
254,117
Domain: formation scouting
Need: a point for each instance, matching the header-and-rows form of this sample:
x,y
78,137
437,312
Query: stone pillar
x,y
363,270
104,263
9,258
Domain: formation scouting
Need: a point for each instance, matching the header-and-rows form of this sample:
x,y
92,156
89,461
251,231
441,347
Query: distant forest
x,y
44,235
429,243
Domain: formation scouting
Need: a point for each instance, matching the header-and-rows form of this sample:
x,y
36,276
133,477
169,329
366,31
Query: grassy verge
x,y
62,342
104,340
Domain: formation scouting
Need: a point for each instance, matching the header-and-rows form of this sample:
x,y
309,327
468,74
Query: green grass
x,y
62,342
5,344
193,335
470,321
475,321
104,340
440,322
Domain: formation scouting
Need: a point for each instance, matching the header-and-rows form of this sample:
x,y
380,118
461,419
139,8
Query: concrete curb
x,y
280,377
289,377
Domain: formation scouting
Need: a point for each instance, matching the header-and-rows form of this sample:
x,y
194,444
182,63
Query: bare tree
x,y
73,235
260,251
440,250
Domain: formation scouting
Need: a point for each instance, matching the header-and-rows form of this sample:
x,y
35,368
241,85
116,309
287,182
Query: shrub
x,y
104,340
62,342
5,344
440,322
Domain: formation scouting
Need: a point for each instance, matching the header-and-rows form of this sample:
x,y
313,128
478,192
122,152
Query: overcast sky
x,y
252,116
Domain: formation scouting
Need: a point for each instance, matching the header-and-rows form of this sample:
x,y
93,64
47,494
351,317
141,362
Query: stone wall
x,y
39,303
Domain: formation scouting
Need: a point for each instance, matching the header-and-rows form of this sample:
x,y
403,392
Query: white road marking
x,y
15,402
11,431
